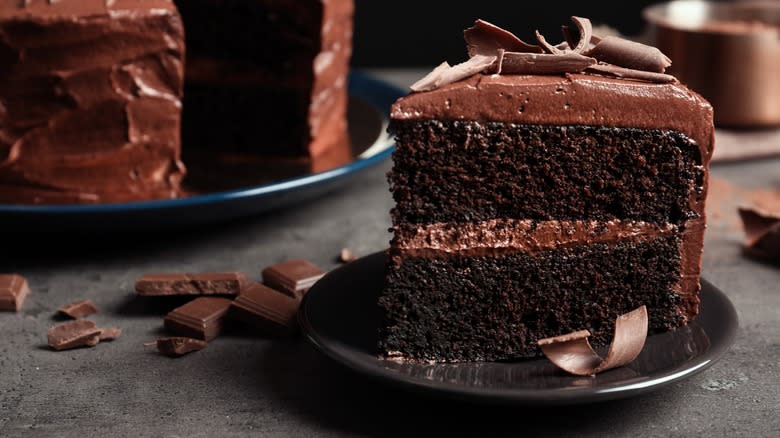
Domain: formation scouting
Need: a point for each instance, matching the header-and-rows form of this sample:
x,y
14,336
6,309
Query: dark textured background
x,y
423,33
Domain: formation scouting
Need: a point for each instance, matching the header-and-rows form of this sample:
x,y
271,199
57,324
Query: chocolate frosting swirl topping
x,y
494,50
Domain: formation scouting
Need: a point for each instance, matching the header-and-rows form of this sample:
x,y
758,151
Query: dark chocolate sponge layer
x,y
261,32
217,118
455,171
471,308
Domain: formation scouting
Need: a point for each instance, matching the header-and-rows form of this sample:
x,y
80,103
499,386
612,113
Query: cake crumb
x,y
346,255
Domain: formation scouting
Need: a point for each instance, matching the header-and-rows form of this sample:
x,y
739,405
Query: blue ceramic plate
x,y
339,315
370,101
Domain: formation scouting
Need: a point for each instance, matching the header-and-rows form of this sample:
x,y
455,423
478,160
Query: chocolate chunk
x,y
78,309
543,63
628,73
572,352
445,74
762,230
201,318
179,346
346,255
267,309
486,39
629,54
13,291
293,277
208,283
73,334
109,334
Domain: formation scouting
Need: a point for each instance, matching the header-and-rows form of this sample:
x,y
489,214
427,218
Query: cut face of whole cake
x,y
94,95
529,205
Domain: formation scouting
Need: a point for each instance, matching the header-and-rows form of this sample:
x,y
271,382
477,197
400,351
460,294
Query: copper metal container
x,y
727,51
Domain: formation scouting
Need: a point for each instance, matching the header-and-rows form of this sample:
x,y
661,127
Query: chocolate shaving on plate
x,y
78,309
544,63
629,73
445,74
630,54
486,39
762,230
572,352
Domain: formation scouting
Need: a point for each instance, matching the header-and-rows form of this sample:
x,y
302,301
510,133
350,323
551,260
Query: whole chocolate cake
x,y
541,190
92,92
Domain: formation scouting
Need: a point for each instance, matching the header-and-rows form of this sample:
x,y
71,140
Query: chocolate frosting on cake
x,y
91,100
571,99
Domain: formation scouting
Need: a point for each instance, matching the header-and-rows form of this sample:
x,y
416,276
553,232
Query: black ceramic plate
x,y
222,193
339,316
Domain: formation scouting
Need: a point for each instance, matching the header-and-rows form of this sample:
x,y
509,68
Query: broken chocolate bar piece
x,y
109,334
270,311
293,277
179,346
572,352
762,232
13,290
201,318
207,283
74,334
78,309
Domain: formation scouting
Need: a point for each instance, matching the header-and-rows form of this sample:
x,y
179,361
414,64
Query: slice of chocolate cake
x,y
90,100
542,190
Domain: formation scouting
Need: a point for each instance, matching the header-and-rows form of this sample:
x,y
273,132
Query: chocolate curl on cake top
x,y
572,352
493,50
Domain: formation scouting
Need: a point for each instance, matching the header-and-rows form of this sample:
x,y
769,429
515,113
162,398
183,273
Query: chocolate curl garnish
x,y
630,54
762,230
543,63
547,46
572,352
486,39
629,73
445,74
585,29
495,50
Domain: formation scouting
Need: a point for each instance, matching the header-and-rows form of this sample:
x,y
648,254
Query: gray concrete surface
x,y
245,386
